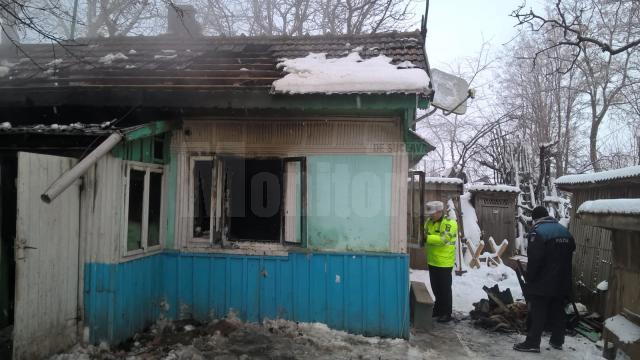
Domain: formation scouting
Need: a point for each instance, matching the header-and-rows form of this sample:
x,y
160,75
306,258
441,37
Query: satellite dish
x,y
451,92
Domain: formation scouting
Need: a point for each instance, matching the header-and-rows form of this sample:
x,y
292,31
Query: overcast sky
x,y
457,28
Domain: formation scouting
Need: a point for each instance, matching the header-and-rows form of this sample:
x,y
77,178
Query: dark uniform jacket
x,y
550,251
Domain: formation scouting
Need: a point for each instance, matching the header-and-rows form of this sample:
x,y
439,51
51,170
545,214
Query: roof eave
x,y
201,98
627,222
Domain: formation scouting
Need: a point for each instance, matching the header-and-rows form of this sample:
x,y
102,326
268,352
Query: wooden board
x,y
46,311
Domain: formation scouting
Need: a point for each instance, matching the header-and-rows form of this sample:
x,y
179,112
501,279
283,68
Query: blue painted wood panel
x,y
121,299
359,293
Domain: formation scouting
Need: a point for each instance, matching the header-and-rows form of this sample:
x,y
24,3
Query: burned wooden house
x,y
194,177
593,259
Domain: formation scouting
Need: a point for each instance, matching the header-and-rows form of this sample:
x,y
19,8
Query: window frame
x,y
303,199
213,208
144,241
219,207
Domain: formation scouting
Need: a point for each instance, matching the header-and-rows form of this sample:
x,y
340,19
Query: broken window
x,y
144,206
203,192
155,203
255,197
251,199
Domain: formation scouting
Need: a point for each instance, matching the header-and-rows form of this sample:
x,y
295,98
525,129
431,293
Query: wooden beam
x,y
151,129
192,96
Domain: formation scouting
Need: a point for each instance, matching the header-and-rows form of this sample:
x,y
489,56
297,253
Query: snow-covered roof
x,y
315,73
147,68
443,180
626,331
494,188
623,173
611,206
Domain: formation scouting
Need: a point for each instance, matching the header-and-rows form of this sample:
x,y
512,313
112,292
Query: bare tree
x,y
579,22
463,138
597,38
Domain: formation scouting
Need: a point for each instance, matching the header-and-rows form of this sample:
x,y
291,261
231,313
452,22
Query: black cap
x,y
539,212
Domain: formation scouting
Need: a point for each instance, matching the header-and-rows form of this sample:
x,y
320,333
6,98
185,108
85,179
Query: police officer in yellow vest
x,y
441,234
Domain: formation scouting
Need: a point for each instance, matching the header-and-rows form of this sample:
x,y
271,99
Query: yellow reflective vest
x,y
441,239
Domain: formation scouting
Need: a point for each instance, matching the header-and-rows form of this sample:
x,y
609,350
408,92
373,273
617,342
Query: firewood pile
x,y
499,312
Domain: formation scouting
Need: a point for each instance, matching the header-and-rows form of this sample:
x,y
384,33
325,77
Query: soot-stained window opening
x,y
255,197
236,199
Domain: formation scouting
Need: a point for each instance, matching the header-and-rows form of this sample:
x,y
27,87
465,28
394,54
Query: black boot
x,y
555,346
444,319
524,347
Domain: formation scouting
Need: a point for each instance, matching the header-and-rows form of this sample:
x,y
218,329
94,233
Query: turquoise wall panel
x,y
360,293
349,202
120,299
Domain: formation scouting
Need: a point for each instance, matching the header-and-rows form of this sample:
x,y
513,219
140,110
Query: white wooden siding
x,y
103,208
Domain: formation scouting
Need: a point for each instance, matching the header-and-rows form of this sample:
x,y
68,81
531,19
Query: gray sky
x,y
457,28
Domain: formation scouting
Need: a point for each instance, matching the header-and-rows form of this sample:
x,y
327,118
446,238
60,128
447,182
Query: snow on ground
x,y
233,339
624,329
611,206
281,339
317,74
467,289
463,341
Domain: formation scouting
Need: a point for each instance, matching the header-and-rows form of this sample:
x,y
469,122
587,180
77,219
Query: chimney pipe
x,y
181,21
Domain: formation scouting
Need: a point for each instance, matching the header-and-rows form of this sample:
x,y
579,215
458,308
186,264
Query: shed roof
x,y
443,180
161,63
599,177
621,214
492,188
611,206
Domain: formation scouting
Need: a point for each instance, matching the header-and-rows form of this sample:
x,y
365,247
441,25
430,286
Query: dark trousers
x,y
546,309
440,278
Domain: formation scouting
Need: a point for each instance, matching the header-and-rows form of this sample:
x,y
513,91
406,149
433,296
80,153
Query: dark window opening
x,y
203,185
136,196
155,201
254,188
158,147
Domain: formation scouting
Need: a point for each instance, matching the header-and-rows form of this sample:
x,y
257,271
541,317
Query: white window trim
x,y
145,248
